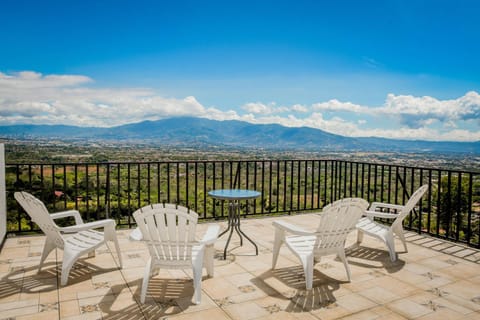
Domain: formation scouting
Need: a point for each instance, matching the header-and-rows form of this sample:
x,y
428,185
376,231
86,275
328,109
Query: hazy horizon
x,y
388,69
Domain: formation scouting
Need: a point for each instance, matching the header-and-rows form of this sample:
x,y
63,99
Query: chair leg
x,y
197,265
67,264
341,255
208,259
197,285
109,233
307,263
279,238
47,248
399,233
359,236
146,279
390,242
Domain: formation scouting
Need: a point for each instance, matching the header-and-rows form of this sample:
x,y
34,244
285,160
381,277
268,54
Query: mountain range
x,y
190,131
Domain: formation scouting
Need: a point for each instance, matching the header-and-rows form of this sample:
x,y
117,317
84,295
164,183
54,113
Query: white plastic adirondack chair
x,y
336,221
169,232
75,241
384,232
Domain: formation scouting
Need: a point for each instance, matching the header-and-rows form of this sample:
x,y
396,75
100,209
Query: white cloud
x,y
30,97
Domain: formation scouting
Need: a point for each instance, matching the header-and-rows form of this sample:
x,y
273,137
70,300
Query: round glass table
x,y
234,196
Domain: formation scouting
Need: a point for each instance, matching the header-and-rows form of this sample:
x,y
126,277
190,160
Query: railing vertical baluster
x,y
469,220
368,181
382,184
429,213
158,182
53,189
285,185
270,186
351,180
420,208
263,186
459,207
291,186
129,194
397,175
119,195
412,182
449,203
319,183
439,209
277,203
313,185
186,185
325,174
97,171
389,183
375,182
148,183
205,189
168,182
332,181
363,180
64,186
305,185
356,178
195,187
177,182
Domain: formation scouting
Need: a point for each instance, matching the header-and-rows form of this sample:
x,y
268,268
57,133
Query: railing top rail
x,y
238,161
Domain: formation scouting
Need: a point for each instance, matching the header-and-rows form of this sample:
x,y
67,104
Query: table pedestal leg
x,y
234,224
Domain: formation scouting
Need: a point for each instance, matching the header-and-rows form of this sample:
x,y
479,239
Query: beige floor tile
x,y
409,309
421,283
245,311
203,315
46,315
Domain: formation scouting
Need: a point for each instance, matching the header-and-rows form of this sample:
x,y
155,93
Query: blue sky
x,y
400,69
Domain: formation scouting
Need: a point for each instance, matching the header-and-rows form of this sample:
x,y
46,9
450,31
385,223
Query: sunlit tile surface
x,y
434,280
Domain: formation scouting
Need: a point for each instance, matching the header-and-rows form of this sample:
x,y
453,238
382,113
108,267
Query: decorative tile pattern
x,y
22,242
103,251
326,266
34,254
476,299
376,274
223,302
89,308
133,256
247,288
438,292
48,306
432,305
167,304
451,261
430,275
273,308
100,285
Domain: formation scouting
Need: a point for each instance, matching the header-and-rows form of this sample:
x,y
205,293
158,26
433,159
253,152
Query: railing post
x,y
3,196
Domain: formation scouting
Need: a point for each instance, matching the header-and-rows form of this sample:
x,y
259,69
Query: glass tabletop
x,y
234,194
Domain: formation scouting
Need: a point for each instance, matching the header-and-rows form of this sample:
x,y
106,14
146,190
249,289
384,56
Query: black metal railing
x,y
450,209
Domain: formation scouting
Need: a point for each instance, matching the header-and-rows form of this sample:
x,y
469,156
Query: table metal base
x,y
234,224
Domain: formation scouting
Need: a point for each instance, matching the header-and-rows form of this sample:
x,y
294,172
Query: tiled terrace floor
x,y
434,280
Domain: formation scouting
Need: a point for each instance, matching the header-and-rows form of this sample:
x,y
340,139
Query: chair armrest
x,y
211,235
89,225
69,213
376,214
379,205
292,228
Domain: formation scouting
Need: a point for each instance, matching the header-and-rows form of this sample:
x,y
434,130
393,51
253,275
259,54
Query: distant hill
x,y
198,131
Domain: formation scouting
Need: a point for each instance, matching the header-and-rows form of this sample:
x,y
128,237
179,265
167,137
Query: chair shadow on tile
x,y
26,279
289,284
367,257
162,300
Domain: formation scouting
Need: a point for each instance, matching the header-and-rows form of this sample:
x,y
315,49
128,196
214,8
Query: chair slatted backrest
x,y
168,230
337,220
39,214
411,203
